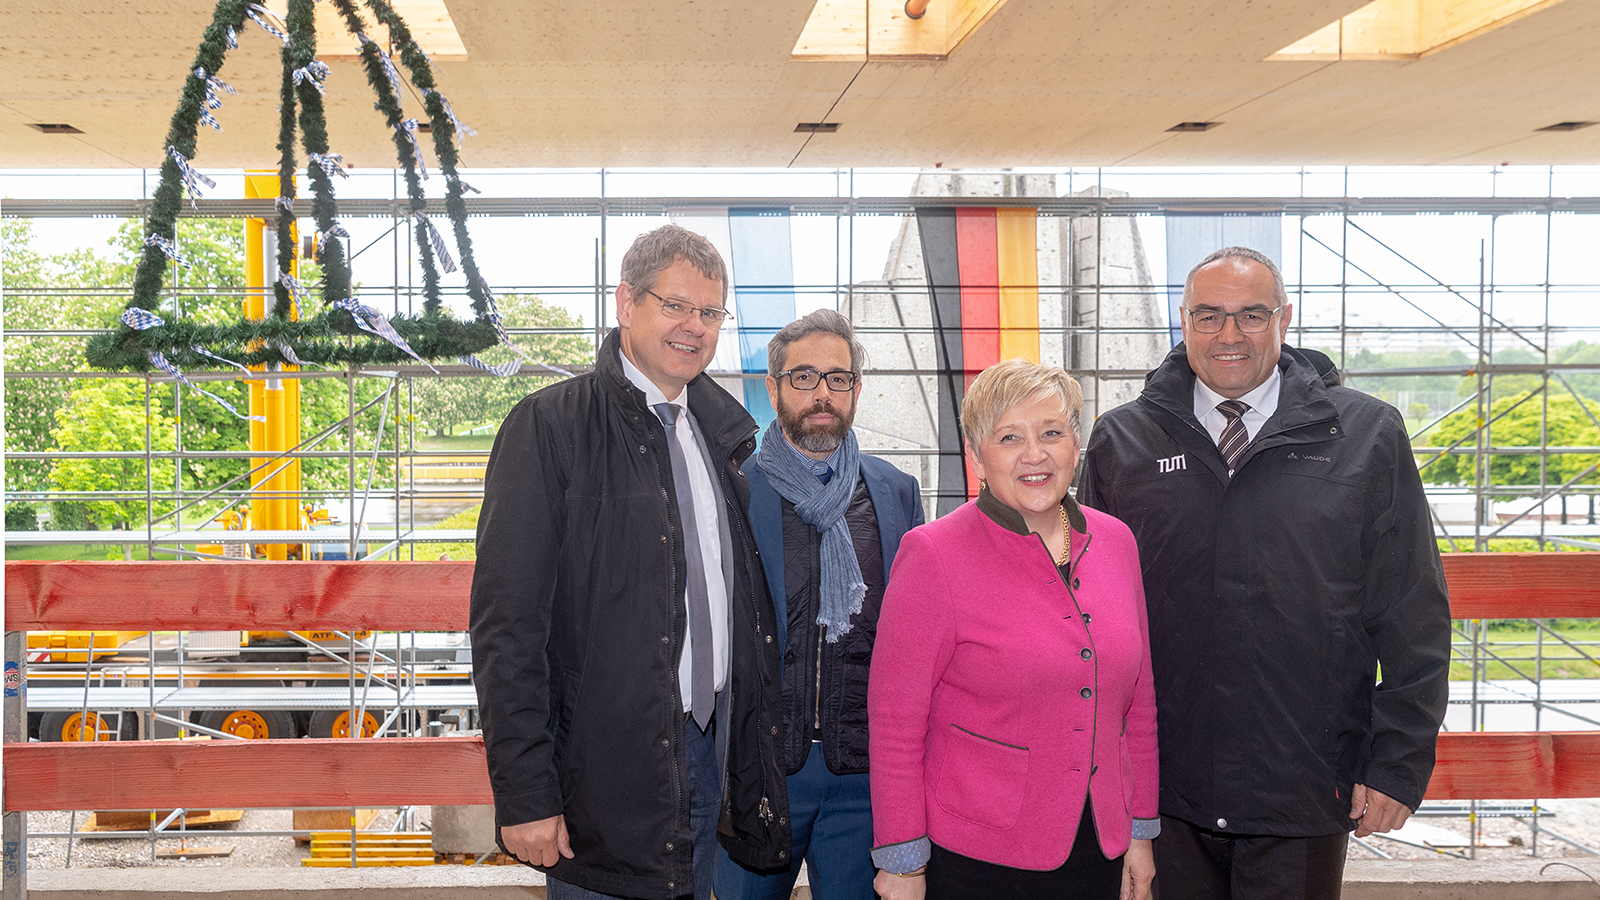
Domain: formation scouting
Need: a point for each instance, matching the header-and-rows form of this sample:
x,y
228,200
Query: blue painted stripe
x,y
763,281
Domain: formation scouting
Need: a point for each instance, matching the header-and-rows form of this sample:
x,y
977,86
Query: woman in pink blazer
x,y
1012,719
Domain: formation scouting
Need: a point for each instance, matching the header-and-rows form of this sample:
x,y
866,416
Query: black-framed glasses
x,y
808,379
710,316
1250,321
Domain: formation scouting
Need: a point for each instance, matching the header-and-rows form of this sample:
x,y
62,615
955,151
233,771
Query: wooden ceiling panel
x,y
711,82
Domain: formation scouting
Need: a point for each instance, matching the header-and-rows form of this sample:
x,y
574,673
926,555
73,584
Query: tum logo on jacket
x,y
1171,464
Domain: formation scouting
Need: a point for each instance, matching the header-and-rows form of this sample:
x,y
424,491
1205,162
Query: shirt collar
x,y
822,468
1262,399
652,394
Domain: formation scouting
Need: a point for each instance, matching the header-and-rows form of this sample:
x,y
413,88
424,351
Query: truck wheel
x,y
76,725
336,723
252,724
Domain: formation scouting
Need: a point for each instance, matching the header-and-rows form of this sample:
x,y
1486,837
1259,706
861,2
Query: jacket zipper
x,y
678,776
765,808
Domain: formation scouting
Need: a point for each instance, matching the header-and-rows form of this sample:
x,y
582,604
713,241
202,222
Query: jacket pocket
x,y
982,780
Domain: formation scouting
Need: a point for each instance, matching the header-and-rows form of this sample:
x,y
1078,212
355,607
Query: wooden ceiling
x,y
712,83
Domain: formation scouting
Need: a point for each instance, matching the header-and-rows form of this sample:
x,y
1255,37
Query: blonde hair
x,y
1005,384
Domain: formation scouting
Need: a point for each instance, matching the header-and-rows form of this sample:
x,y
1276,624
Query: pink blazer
x,y
996,699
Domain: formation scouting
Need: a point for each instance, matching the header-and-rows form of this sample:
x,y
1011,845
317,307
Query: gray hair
x,y
1005,384
655,251
823,321
1254,256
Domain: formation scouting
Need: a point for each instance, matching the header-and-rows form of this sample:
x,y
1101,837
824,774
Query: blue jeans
x,y
831,818
705,804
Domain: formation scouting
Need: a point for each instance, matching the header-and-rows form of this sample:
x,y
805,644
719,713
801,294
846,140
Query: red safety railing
x,y
432,596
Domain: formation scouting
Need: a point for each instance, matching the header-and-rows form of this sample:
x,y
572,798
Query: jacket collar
x,y
723,422
1303,397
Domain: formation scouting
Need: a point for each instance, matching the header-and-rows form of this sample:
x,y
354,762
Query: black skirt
x,y
1086,875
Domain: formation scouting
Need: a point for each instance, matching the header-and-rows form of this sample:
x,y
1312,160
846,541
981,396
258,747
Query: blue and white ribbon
x,y
462,130
297,291
286,204
437,240
500,329
192,179
212,101
140,319
329,163
369,319
160,362
317,71
287,352
204,352
277,27
206,118
336,231
504,370
232,38
155,240
408,130
388,64
456,179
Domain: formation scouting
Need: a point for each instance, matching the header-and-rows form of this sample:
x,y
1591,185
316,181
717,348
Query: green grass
x,y
1515,642
436,442
81,552
458,550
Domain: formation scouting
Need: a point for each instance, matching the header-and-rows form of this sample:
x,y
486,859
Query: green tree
x,y
108,414
445,404
1569,426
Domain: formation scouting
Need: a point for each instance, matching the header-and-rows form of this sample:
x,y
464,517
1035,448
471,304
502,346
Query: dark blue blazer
x,y
896,500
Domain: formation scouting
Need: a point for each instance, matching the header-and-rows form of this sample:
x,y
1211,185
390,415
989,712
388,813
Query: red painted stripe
x,y
978,254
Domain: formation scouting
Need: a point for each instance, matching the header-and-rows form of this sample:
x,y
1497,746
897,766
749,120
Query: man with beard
x,y
827,522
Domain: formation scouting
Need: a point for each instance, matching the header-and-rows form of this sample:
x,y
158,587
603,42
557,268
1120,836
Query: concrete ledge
x,y
1444,879
399,883
1364,880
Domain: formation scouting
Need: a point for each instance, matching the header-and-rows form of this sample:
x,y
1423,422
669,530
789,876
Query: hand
x,y
542,843
1138,870
1377,811
890,886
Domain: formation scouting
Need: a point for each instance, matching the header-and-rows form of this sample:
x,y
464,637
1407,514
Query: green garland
x,y
332,336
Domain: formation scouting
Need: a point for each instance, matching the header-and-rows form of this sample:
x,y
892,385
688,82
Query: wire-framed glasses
x,y
712,317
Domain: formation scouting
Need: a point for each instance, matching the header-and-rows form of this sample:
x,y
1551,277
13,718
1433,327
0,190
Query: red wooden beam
x,y
1523,585
371,772
227,596
1520,765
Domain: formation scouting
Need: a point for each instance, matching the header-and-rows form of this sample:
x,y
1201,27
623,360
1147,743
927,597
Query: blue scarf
x,y
822,506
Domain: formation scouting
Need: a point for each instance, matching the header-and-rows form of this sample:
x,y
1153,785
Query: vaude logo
x,y
1294,455
1171,463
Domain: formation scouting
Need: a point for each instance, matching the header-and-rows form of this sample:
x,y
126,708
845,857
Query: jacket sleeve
x,y
1407,611
1141,721
911,496
916,638
513,587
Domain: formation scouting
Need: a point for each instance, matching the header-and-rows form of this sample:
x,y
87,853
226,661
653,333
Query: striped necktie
x,y
1234,435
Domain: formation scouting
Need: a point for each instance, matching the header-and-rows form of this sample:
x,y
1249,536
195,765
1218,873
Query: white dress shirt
x,y
705,502
1263,402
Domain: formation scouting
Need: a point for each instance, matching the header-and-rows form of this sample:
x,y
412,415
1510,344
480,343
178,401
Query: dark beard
x,y
814,438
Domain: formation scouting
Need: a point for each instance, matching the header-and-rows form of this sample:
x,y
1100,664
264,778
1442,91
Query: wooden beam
x,y
1521,765
432,596
225,596
371,772
1523,585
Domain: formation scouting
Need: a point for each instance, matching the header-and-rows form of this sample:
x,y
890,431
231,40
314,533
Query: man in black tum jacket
x,y
621,629
827,521
1287,553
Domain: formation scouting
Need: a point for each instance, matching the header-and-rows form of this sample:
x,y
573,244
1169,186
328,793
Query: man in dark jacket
x,y
621,631
828,522
1287,553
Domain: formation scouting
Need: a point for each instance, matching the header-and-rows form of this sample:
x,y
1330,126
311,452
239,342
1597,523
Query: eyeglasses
x,y
808,379
1250,321
710,316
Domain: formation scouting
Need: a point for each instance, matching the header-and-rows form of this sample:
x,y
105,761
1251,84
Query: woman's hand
x,y
890,886
1138,870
